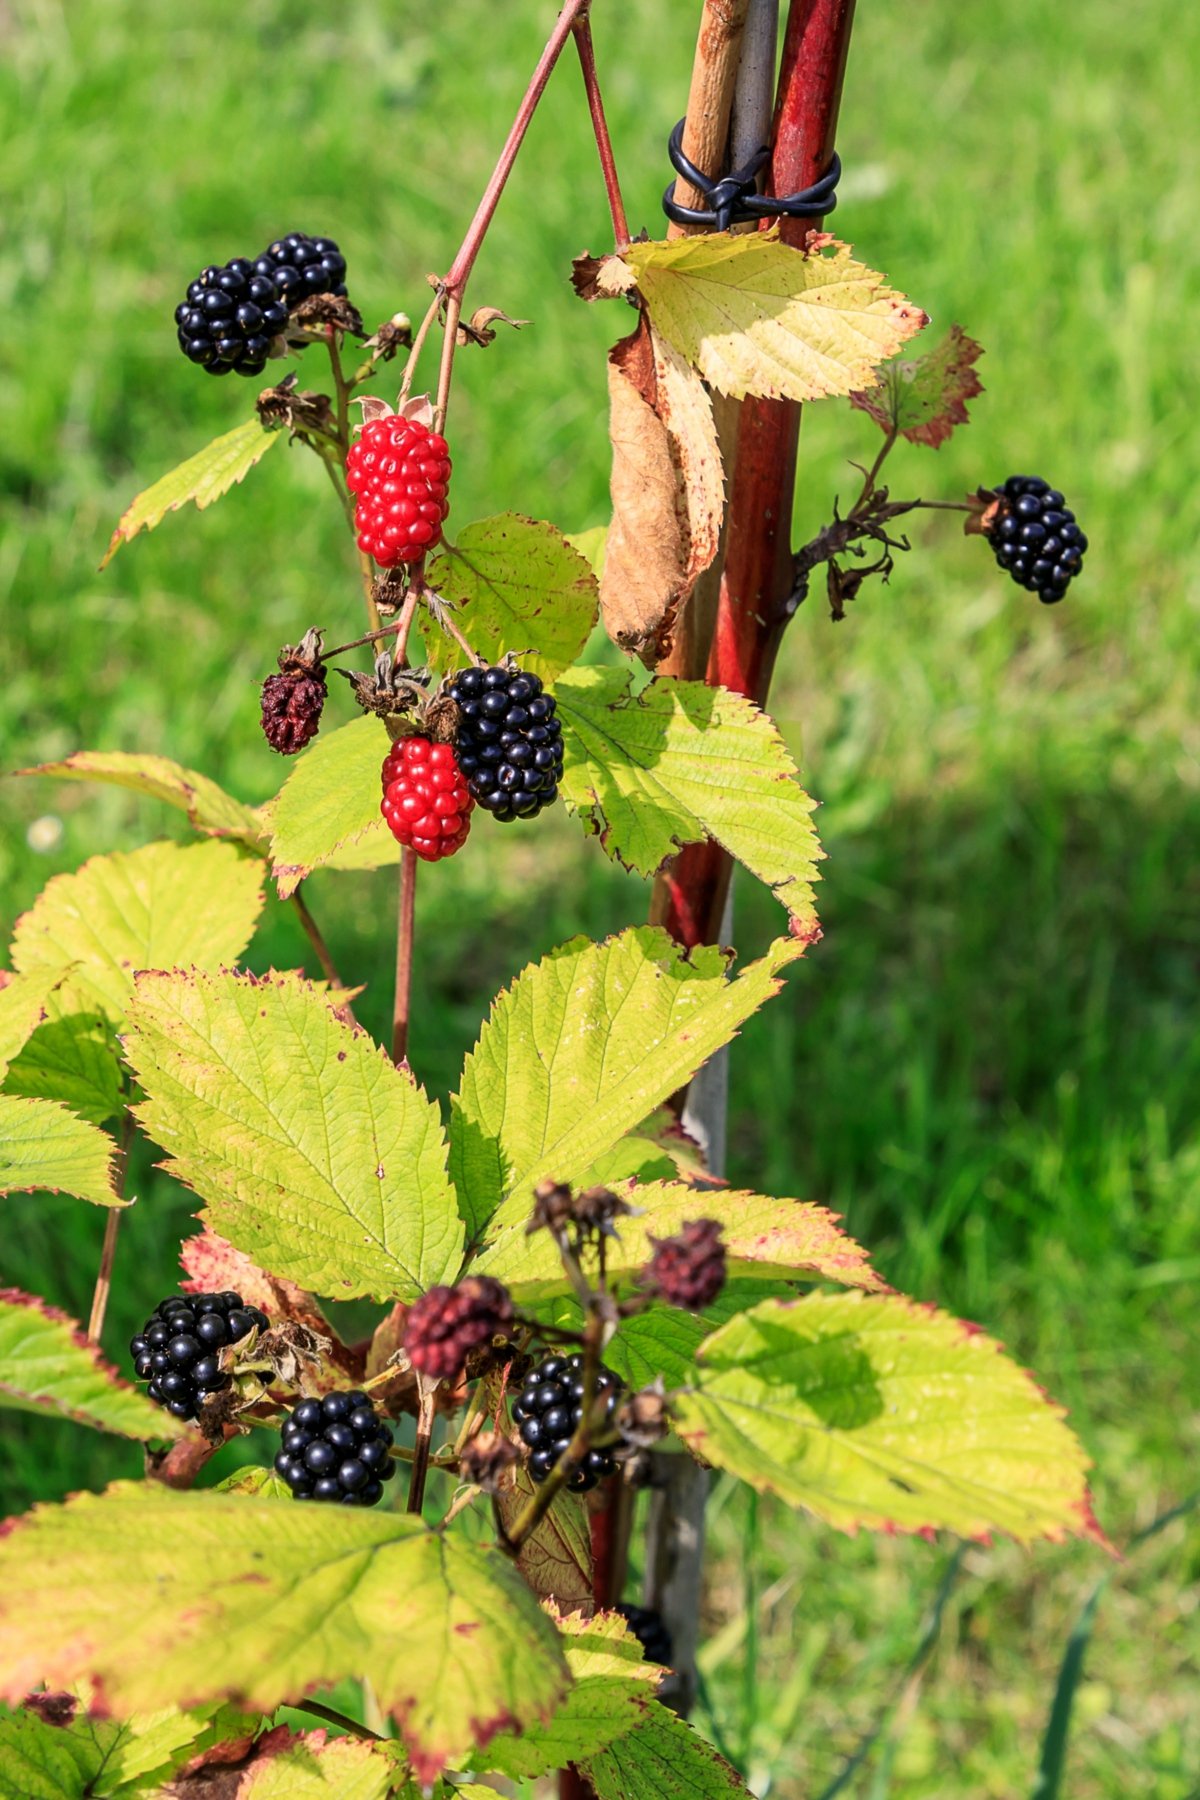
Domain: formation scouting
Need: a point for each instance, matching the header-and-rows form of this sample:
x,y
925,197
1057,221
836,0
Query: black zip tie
x,y
734,200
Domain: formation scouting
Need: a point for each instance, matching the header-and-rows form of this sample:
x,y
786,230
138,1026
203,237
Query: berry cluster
x,y
178,1347
447,1323
425,799
337,1448
1035,537
232,313
649,1628
509,740
688,1270
548,1412
399,473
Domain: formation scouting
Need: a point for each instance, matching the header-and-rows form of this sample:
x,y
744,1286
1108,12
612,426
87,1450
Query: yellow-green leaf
x,y
48,1366
756,316
581,1048
22,1008
159,907
74,1057
208,807
682,762
329,806
203,478
156,1595
611,1694
313,1152
662,1758
311,1766
46,1149
52,1749
881,1413
516,584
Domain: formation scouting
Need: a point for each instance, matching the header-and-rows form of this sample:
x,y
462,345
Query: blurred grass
x,y
989,1064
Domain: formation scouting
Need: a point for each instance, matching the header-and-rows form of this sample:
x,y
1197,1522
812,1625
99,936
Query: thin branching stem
x,y
608,164
312,932
420,1467
112,1225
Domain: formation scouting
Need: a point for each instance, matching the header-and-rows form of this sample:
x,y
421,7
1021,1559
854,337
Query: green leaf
x,y
315,1154
48,1366
664,1341
75,1058
202,478
591,544
46,1149
925,397
134,1587
252,1480
312,1766
756,316
611,1693
682,762
785,1238
878,1412
159,907
662,1759
516,584
23,1001
67,1755
581,1048
208,807
330,804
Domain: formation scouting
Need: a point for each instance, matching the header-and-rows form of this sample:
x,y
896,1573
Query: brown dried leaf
x,y
668,492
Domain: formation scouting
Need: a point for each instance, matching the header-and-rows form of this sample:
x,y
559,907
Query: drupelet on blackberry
x,y
229,318
177,1349
650,1630
548,1410
1036,537
509,740
336,1449
300,265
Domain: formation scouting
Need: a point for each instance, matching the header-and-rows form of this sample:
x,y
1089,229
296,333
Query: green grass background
x,y
990,1063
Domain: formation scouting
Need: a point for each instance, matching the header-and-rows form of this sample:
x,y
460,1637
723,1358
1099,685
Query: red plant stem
x,y
752,610
404,953
595,100
112,1225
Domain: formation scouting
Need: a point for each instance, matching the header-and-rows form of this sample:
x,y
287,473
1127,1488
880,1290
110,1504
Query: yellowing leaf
x,y
783,1238
72,1056
329,804
681,762
756,316
208,807
154,1595
48,1366
308,1766
582,1047
45,1148
881,1413
159,907
22,1008
611,1694
313,1152
925,397
51,1749
516,584
556,1557
202,478
662,1758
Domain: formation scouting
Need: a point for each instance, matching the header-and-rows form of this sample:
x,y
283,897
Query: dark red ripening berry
x,y
1035,536
447,1323
425,798
399,473
336,1449
688,1270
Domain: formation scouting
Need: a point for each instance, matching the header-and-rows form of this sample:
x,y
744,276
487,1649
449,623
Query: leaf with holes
x,y
756,316
313,1153
327,812
208,807
131,1589
682,762
881,1413
582,1047
203,478
514,584
46,1149
48,1366
925,397
163,906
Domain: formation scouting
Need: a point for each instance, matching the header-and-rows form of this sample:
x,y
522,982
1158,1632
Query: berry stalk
x,y
112,1225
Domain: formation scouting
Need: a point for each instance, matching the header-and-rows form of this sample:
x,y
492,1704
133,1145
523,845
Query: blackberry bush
x,y
336,1449
1036,537
509,740
548,1410
178,1348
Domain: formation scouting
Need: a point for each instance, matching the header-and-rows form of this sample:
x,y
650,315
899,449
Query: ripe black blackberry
x,y
177,1349
548,1410
229,318
300,265
1036,537
336,1449
509,742
649,1628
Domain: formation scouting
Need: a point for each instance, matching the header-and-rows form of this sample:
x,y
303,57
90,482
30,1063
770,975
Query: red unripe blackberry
x,y
178,1348
336,1449
547,1413
688,1270
399,472
1036,537
447,1323
425,798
